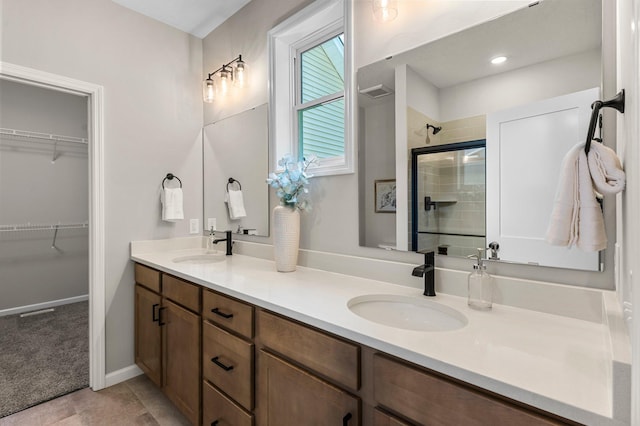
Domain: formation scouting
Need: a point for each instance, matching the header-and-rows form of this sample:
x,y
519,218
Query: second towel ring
x,y
170,176
232,181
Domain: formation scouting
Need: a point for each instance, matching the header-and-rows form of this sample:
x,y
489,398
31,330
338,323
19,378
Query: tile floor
x,y
134,402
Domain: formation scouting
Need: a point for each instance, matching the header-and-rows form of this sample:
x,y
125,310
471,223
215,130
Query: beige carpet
x,y
43,356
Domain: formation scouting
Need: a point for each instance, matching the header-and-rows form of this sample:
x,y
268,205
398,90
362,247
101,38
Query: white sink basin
x,y
406,312
200,258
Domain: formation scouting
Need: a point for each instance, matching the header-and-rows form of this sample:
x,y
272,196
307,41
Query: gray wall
x,y
151,74
33,190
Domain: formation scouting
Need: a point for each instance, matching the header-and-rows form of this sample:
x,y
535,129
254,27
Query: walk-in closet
x,y
44,240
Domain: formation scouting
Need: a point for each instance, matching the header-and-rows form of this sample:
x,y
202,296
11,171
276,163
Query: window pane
x,y
322,69
321,130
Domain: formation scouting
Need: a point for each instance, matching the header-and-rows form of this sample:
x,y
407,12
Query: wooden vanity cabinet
x,y
148,343
305,376
181,358
289,395
270,370
168,336
380,418
428,398
228,365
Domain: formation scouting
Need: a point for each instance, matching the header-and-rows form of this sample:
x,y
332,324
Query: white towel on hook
x,y
576,218
172,208
606,169
235,203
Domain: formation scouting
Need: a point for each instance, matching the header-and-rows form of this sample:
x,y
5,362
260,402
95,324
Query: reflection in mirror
x,y
553,48
237,147
448,198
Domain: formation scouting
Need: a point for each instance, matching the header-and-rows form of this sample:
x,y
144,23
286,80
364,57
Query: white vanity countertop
x,y
559,364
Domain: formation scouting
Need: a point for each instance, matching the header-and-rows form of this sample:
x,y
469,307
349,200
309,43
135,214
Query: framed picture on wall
x,y
385,195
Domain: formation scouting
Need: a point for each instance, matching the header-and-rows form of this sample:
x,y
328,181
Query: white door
x,y
525,148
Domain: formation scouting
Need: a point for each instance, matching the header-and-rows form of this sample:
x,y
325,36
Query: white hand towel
x,y
235,203
606,169
172,209
576,218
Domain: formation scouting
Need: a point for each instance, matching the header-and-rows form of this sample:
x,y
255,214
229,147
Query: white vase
x,y
286,238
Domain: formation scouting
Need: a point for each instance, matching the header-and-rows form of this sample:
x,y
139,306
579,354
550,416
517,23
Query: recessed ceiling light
x,y
498,60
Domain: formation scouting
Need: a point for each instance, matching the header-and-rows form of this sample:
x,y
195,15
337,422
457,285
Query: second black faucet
x,y
428,271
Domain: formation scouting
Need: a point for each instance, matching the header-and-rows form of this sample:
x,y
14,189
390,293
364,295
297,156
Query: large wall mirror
x,y
237,148
447,93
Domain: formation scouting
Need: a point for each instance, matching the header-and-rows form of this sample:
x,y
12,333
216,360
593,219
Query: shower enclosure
x,y
448,198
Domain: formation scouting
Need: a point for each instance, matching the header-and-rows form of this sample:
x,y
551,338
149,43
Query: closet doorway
x,y
52,224
44,244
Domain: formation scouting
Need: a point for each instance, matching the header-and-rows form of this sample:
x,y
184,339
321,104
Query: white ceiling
x,y
552,29
197,17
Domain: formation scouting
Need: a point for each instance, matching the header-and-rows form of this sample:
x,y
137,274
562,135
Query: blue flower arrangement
x,y
290,184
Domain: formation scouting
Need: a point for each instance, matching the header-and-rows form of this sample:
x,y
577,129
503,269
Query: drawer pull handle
x,y
160,319
222,314
215,423
221,365
345,419
154,315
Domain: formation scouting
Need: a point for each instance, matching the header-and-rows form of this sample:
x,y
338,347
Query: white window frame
x,y
285,40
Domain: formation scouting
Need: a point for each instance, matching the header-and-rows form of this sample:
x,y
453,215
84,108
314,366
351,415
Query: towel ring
x,y
170,176
232,181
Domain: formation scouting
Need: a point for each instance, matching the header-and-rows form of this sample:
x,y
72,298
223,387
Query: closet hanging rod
x,y
42,136
41,227
616,102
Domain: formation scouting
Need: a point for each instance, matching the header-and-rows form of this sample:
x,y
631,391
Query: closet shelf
x,y
25,134
42,227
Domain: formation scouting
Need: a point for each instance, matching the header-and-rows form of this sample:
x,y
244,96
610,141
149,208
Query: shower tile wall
x,y
442,181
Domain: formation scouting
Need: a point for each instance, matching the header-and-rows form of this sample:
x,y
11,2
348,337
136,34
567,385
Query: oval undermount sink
x,y
200,258
407,312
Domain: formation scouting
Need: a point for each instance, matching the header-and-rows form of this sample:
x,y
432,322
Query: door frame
x,y
94,93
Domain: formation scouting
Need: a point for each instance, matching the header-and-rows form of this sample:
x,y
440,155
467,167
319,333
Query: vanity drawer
x,y
228,313
380,418
147,277
429,399
217,407
181,292
227,362
327,355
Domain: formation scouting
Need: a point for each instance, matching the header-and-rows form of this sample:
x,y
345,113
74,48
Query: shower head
x,y
436,130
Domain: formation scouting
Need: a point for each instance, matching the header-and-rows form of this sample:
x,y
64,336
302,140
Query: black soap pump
x,y
480,285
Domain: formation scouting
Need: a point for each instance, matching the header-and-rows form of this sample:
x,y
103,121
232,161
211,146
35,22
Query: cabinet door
x,y
181,344
148,350
291,396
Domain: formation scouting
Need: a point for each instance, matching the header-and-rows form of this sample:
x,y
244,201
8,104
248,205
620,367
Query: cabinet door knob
x,y
214,423
222,314
221,365
346,418
154,313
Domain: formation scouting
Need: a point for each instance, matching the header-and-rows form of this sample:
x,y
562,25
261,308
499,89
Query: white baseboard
x,y
122,375
43,305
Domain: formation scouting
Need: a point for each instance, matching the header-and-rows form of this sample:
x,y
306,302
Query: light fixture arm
x,y
224,67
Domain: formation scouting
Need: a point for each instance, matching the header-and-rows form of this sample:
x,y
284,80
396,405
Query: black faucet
x,y
227,239
428,271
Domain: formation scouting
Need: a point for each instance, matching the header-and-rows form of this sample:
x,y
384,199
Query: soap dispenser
x,y
480,285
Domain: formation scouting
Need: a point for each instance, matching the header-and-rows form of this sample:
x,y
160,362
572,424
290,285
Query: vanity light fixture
x,y
498,60
226,75
385,10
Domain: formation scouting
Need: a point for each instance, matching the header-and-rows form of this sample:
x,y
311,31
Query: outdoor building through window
x,y
320,106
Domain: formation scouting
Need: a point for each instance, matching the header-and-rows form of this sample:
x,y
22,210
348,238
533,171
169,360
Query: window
x,y
308,90
319,109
